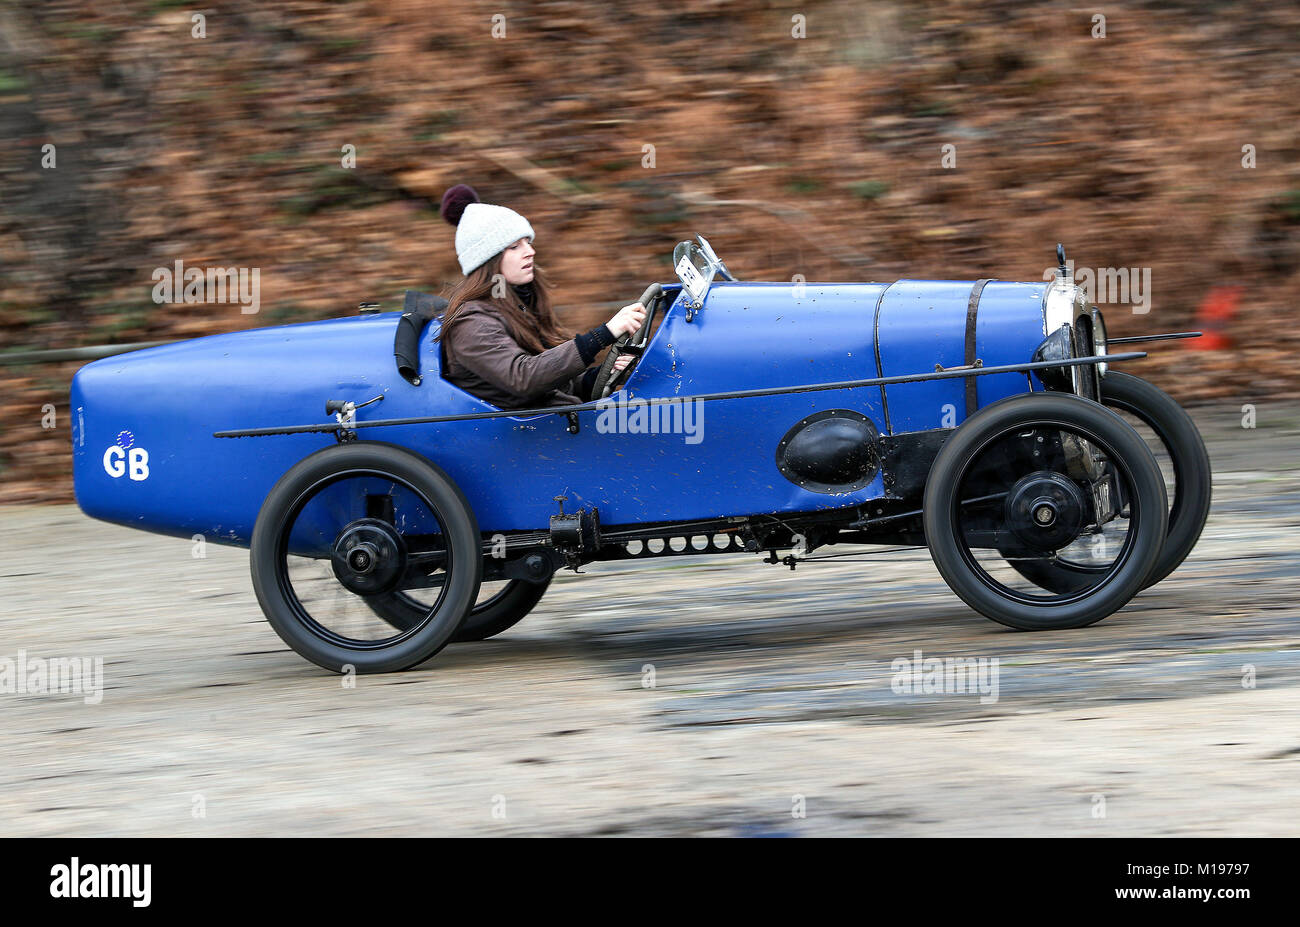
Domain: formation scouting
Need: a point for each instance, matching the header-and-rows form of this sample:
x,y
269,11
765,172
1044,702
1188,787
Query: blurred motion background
x,y
817,155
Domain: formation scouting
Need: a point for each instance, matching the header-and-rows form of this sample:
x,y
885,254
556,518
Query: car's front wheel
x,y
1032,475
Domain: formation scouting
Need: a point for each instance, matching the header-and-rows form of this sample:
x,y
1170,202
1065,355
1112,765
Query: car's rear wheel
x,y
500,606
356,521
1028,476
1173,438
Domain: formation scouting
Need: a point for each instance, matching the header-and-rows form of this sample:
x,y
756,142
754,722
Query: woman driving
x,y
500,338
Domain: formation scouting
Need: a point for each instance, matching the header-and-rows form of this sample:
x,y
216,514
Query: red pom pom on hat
x,y
455,200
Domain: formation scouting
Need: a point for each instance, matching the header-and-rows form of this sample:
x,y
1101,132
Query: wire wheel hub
x,y
1046,510
369,557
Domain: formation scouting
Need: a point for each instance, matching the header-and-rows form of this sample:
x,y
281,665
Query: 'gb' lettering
x,y
119,462
114,461
139,459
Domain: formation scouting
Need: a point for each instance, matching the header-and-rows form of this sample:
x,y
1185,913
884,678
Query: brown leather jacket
x,y
480,356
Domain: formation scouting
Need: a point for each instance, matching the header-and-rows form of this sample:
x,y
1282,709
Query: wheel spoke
x,y
1036,502
365,558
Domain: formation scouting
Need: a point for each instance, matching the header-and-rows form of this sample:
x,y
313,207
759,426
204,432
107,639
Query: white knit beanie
x,y
484,231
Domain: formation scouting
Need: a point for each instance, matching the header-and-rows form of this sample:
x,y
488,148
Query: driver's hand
x,y
627,320
623,361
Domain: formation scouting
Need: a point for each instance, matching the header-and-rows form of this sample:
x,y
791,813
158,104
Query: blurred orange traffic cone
x,y
1213,316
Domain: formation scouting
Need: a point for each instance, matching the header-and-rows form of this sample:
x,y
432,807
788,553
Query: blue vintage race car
x,y
967,416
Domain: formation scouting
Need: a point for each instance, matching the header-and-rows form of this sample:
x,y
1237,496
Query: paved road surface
x,y
771,711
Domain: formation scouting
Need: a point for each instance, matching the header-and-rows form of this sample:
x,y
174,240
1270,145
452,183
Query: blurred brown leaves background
x,y
817,156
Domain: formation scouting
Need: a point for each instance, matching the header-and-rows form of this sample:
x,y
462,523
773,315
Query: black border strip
x,y
880,370
972,312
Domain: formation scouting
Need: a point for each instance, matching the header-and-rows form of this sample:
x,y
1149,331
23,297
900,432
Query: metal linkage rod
x,y
1137,339
678,400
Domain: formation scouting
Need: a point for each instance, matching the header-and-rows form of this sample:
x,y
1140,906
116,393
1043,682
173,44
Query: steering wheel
x,y
606,379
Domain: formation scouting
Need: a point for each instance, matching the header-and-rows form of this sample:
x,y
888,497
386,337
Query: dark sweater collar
x,y
524,291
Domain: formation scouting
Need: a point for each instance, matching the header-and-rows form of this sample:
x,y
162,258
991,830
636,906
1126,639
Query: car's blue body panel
x,y
1008,329
922,323
168,401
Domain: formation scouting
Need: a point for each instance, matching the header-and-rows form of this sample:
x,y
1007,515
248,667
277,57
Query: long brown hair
x,y
535,331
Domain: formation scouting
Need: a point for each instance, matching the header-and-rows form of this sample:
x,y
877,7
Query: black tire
x,y
1190,465
1003,424
486,619
459,548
